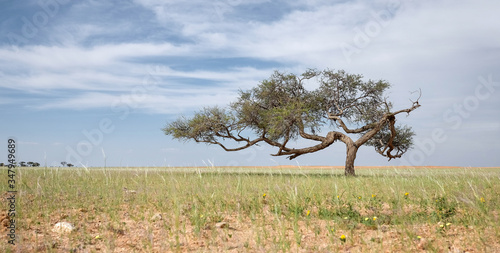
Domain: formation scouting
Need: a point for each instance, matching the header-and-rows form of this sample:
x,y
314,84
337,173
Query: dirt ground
x,y
159,232
128,230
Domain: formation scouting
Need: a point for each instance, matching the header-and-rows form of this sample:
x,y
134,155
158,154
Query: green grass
x,y
302,209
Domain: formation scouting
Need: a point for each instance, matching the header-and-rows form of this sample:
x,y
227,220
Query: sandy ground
x,y
159,232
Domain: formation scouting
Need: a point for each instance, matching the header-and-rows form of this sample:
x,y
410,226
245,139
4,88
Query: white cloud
x,y
106,67
88,100
94,63
168,102
311,35
53,58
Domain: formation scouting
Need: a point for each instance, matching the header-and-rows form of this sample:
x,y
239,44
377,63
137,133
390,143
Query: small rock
x,y
129,191
63,227
156,217
221,225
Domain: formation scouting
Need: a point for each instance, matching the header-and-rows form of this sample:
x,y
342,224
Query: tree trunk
x,y
352,149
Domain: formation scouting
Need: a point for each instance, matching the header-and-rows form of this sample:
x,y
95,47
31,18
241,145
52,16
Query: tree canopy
x,y
280,110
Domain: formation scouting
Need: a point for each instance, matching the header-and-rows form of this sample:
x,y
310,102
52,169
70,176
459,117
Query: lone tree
x,y
279,110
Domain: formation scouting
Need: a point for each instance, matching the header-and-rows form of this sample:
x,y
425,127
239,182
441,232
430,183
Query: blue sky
x,y
81,81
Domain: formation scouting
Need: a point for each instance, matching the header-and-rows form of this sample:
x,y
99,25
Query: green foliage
x,y
280,109
348,211
348,96
444,208
403,140
280,106
296,209
205,126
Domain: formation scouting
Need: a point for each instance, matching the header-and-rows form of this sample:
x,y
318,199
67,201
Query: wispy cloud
x,y
174,57
307,34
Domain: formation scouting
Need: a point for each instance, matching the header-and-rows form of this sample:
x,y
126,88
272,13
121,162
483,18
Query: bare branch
x,y
415,106
419,96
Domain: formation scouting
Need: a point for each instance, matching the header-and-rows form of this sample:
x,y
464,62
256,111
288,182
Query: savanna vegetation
x,y
280,110
256,210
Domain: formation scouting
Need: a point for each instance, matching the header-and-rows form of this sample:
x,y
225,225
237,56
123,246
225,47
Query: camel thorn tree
x,y
280,110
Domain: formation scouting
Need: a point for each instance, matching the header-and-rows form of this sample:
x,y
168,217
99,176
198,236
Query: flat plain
x,y
255,209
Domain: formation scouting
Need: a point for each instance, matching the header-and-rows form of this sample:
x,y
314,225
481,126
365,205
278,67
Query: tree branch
x,y
330,138
386,149
415,106
249,144
305,135
346,129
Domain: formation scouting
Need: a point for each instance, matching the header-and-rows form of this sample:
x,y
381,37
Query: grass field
x,y
256,210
